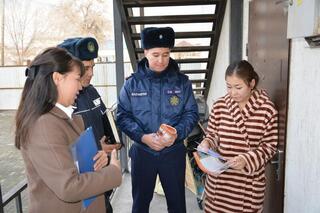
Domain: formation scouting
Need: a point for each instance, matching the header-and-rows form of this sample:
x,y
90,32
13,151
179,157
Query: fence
x,y
13,78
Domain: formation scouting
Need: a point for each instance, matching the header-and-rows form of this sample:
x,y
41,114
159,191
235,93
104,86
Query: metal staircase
x,y
197,24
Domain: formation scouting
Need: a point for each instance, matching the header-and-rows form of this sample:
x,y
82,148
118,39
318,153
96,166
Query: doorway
x,y
268,52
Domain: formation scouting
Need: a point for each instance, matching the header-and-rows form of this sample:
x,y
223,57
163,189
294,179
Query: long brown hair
x,y
40,94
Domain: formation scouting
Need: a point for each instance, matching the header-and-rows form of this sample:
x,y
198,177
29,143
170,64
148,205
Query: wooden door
x,y
268,51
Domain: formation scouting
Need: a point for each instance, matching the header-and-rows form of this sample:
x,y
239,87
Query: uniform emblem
x,y
91,46
174,100
160,36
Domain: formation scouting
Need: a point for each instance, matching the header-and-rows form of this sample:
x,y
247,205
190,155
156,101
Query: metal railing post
x,y
18,203
1,204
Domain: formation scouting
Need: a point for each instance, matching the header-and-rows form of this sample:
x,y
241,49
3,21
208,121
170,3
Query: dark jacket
x,y
149,99
93,111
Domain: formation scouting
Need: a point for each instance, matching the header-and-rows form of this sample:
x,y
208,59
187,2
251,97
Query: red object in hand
x,y
166,131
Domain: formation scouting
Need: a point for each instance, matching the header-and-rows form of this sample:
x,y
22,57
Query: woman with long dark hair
x,y
45,129
243,129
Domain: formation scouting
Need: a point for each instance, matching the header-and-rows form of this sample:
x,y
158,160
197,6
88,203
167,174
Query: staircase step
x,y
183,49
192,60
198,80
198,34
194,71
171,19
157,3
199,89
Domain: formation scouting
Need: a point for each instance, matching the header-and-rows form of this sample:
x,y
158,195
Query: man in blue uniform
x,y
157,93
89,104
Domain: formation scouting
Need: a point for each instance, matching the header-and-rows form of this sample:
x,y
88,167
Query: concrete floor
x,y
11,163
122,200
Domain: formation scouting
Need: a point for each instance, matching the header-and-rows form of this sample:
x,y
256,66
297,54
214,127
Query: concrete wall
x,y
302,178
302,170
218,85
13,78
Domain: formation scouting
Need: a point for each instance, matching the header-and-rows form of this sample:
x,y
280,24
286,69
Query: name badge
x,y
173,91
139,94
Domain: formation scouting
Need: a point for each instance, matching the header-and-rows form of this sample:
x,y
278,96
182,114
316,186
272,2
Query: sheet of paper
x,y
213,164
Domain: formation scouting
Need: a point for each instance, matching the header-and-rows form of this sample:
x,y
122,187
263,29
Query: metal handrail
x,y
14,193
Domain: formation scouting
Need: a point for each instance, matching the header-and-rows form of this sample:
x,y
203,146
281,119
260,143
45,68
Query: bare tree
x,y
22,26
33,25
82,18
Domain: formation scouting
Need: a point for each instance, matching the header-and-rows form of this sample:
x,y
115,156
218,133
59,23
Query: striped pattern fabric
x,y
251,133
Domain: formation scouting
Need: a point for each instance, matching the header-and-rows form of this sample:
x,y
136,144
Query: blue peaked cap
x,y
83,48
152,37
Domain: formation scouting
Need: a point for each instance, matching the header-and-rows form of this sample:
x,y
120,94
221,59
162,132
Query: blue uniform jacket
x,y
93,111
149,99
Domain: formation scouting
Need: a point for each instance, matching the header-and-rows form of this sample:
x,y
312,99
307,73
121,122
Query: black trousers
x,y
171,166
109,208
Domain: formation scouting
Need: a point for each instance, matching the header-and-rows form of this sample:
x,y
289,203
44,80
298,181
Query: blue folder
x,y
83,151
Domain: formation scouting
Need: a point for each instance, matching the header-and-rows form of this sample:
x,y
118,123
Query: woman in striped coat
x,y
243,129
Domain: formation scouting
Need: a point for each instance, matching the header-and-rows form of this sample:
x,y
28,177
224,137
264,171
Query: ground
x,y
11,164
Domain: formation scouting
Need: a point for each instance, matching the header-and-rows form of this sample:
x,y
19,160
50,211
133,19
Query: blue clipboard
x,y
83,151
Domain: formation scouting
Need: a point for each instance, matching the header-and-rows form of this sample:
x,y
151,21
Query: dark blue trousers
x,y
170,165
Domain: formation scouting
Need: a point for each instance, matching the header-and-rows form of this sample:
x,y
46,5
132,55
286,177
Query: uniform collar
x,y
171,71
84,89
153,74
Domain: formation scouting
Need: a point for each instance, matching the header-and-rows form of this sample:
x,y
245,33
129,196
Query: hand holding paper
x,y
210,152
210,161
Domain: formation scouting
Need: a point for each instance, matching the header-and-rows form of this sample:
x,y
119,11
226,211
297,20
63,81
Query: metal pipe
x,y
2,33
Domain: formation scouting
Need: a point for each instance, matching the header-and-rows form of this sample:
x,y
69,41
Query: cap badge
x,y
160,36
91,46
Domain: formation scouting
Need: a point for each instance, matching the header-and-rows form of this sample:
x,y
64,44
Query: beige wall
x,y
217,87
302,173
302,169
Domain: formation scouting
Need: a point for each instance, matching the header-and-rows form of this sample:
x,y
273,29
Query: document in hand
x,y
83,151
210,162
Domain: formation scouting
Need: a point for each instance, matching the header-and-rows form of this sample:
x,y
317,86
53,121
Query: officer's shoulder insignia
x,y
174,100
91,46
97,101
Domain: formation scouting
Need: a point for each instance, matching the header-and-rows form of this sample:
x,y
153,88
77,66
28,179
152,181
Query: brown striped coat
x,y
251,133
